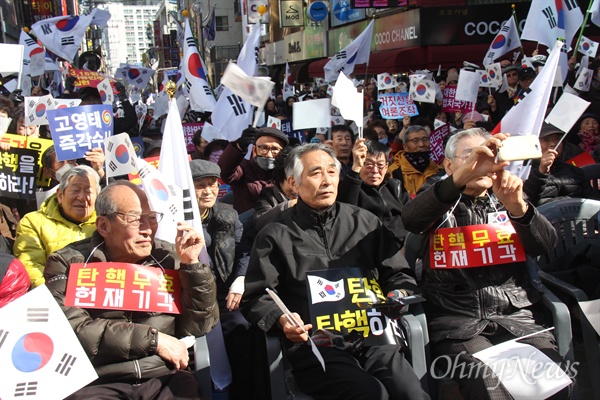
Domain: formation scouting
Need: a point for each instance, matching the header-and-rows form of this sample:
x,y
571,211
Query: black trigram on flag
x,y
46,29
26,389
112,166
37,314
30,42
3,336
64,366
188,214
190,41
143,172
67,40
549,14
236,104
207,90
32,103
109,146
173,209
341,55
571,4
505,28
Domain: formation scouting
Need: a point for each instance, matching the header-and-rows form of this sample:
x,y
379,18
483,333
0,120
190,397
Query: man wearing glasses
x,y
247,178
135,353
501,102
413,165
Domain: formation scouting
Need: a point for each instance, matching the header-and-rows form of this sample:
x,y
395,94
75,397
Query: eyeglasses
x,y
369,166
135,220
419,140
264,150
202,186
511,74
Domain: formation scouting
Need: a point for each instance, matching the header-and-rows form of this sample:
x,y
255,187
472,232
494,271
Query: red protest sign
x,y
436,140
475,246
122,286
450,104
582,159
188,132
88,78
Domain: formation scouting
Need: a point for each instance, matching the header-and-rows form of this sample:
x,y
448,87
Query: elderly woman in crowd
x,y
65,217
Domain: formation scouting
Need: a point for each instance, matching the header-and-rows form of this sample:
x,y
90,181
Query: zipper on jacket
x,y
324,236
385,205
138,371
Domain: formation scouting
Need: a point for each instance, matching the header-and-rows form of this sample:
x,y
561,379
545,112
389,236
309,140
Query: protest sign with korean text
x,y
396,105
450,104
87,78
18,169
436,140
123,286
188,132
38,144
339,300
77,130
475,246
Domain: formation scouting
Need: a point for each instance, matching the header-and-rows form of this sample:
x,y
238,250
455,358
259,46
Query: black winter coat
x,y
461,302
385,201
564,180
122,344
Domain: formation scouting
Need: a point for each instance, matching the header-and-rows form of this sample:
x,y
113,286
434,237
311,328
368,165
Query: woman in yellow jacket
x,y
64,218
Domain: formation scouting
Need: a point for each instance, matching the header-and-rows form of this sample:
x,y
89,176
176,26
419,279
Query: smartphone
x,y
520,148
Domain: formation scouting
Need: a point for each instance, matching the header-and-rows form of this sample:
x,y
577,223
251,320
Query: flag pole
x,y
514,14
587,14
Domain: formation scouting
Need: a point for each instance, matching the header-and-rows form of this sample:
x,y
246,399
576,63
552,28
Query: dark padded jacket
x,y
122,344
385,201
462,302
302,240
564,180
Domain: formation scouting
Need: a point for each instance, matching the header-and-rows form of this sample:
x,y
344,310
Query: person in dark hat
x,y
550,178
501,102
229,254
248,177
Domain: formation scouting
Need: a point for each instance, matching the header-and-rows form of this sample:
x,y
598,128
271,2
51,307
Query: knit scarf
x,y
589,140
419,160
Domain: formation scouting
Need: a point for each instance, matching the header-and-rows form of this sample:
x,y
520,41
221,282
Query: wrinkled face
x,y
550,142
512,77
589,125
129,233
207,190
78,199
266,146
342,144
417,141
463,150
374,169
320,178
392,125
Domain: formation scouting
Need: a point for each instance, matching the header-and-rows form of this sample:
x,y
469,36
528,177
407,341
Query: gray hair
x,y
80,170
452,145
105,203
294,166
413,129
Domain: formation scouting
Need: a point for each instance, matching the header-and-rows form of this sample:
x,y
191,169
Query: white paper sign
x,y
468,85
12,58
345,97
311,114
567,111
591,309
40,355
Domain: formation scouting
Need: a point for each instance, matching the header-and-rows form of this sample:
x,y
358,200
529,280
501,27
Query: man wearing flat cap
x,y
229,255
248,177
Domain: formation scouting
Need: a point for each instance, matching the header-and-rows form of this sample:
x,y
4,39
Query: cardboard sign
x,y
18,169
396,105
450,104
475,246
188,132
87,78
334,296
77,130
122,286
38,144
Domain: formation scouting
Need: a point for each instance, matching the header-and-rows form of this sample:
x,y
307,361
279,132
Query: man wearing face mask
x,y
413,165
248,177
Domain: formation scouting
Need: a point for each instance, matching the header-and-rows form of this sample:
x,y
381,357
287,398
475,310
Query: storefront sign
x,y
291,13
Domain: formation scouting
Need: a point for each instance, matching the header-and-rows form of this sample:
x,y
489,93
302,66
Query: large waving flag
x,y
210,29
201,97
255,90
232,114
136,76
34,56
547,21
63,35
357,52
506,40
288,83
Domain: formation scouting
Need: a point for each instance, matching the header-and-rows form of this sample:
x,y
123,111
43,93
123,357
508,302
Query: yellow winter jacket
x,y
41,233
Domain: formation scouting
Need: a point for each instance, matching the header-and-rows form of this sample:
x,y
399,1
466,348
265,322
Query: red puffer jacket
x,y
14,279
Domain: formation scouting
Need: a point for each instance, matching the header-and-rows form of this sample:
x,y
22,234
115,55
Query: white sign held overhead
x,y
567,111
311,114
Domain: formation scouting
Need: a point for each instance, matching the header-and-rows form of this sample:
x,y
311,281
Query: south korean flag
x,y
322,290
106,93
422,90
36,109
40,354
120,155
386,81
